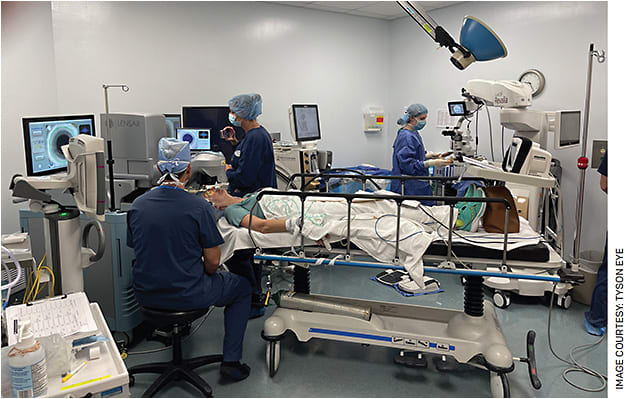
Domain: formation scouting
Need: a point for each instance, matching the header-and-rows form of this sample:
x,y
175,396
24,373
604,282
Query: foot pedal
x,y
445,363
411,359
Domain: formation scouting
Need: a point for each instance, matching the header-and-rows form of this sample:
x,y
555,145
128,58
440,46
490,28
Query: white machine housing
x,y
134,140
62,231
525,157
211,164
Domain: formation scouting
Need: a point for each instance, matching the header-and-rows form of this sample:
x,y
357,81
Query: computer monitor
x,y
44,137
567,128
198,139
304,120
457,108
214,118
174,121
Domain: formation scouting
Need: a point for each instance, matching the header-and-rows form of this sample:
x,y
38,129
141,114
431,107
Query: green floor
x,y
322,368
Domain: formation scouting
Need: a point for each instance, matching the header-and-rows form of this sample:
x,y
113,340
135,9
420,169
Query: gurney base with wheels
x,y
474,340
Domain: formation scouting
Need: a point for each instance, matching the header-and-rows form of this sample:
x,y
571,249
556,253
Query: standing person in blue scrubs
x,y
409,155
176,243
253,167
596,320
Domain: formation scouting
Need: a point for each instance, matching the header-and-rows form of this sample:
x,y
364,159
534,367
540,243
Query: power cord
x,y
576,367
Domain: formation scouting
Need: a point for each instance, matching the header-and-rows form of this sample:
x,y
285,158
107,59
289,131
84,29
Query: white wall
x,y
553,37
174,54
56,56
28,87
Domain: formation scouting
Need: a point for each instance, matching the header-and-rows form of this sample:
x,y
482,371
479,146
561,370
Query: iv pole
x,y
582,161
109,145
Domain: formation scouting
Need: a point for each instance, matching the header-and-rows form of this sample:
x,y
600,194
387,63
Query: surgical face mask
x,y
232,119
420,125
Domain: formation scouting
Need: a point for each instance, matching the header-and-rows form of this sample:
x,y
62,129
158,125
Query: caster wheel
x,y
564,301
273,357
131,380
499,385
501,299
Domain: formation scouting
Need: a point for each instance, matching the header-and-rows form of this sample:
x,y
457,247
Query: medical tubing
x,y
474,296
375,228
19,270
576,367
6,270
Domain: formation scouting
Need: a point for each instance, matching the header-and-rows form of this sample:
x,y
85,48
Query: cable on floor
x,y
576,367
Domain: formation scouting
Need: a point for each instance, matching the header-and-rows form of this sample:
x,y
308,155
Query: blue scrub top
x,y
408,158
168,228
253,164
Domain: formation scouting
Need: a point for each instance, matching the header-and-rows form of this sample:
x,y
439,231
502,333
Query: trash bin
x,y
589,262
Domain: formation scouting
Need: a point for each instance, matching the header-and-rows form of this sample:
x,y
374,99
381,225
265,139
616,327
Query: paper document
x,y
64,315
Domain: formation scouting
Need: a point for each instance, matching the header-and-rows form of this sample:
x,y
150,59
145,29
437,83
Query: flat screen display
x,y
569,128
198,139
44,137
215,118
306,120
457,108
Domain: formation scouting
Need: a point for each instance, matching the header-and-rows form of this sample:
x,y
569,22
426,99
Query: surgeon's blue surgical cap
x,y
412,110
247,106
174,155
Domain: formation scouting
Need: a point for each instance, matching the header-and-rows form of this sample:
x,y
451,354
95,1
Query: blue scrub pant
x,y
242,263
234,293
598,314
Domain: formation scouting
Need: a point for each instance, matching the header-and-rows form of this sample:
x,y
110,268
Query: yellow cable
x,y
52,275
36,279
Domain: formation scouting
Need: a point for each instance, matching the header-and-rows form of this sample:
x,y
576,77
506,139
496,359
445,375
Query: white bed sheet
x,y
373,229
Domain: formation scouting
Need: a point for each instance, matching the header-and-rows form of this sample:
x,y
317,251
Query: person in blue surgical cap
x,y
409,155
253,165
176,243
252,168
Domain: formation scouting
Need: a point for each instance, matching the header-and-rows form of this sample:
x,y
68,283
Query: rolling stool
x,y
178,368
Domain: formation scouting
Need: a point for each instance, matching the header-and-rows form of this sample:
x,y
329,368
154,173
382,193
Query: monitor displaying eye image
x,y
457,108
214,117
198,139
44,137
306,122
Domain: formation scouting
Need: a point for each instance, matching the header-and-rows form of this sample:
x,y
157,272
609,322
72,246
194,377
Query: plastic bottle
x,y
27,365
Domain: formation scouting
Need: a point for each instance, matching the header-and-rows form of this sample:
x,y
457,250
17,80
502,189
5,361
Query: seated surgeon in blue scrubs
x,y
253,167
409,155
176,243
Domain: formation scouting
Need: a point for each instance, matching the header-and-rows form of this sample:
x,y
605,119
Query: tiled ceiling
x,y
388,10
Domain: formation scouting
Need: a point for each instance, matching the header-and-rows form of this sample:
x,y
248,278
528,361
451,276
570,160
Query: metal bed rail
x,y
310,177
451,201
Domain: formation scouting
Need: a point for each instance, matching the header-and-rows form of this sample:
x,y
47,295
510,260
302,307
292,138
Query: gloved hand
x,y
432,155
293,224
437,162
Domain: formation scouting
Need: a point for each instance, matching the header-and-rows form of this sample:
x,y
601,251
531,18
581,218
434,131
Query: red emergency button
x,y
582,163
379,120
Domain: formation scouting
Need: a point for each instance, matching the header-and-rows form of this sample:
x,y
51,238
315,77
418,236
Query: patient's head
x,y
220,198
